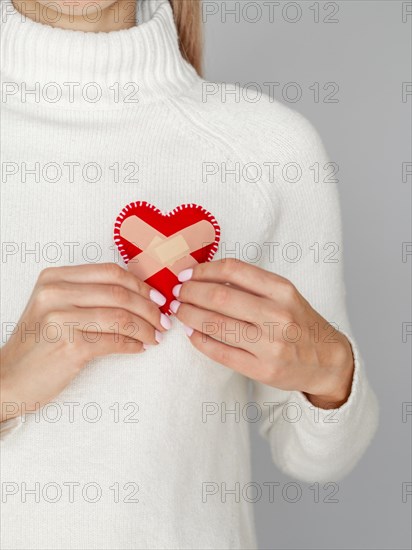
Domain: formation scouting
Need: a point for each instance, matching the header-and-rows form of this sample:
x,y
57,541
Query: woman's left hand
x,y
258,324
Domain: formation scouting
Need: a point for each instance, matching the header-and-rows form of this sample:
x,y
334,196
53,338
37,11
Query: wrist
x,y
338,375
9,407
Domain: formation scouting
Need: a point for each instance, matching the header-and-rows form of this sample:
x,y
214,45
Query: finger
x,y
107,273
118,322
225,329
244,276
236,359
87,295
225,300
108,344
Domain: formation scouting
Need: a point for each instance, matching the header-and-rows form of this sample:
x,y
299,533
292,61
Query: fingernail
x,y
165,321
147,346
174,306
188,330
176,290
158,336
156,297
185,275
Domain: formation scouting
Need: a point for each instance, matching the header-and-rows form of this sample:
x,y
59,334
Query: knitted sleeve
x,y
305,246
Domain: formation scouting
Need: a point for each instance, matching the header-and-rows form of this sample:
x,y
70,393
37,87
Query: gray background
x,y
367,53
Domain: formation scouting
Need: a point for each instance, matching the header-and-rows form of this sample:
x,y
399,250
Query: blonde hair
x,y
187,15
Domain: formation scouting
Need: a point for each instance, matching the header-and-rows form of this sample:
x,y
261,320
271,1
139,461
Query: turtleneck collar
x,y
85,70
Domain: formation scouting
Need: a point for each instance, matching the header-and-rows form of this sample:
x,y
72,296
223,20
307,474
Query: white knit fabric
x,y
169,147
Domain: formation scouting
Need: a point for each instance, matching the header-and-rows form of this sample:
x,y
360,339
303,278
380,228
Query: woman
x,y
126,427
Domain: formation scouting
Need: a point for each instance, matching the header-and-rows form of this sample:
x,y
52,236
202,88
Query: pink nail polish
x,y
176,290
156,297
188,330
185,275
174,305
165,321
158,336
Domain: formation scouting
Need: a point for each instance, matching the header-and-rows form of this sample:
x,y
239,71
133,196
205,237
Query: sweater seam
x,y
214,136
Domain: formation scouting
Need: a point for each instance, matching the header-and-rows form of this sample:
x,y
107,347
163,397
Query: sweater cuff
x,y
359,395
7,427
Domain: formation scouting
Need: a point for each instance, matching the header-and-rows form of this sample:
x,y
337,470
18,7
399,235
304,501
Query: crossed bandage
x,y
159,251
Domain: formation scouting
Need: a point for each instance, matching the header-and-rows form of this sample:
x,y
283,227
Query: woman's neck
x,y
81,15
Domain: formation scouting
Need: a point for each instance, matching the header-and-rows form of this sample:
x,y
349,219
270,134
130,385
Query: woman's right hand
x,y
75,314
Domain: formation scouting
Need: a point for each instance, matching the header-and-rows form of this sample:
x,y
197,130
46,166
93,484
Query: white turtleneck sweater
x,y
142,452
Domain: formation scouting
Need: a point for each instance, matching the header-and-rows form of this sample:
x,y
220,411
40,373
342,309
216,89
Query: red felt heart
x,y
177,234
